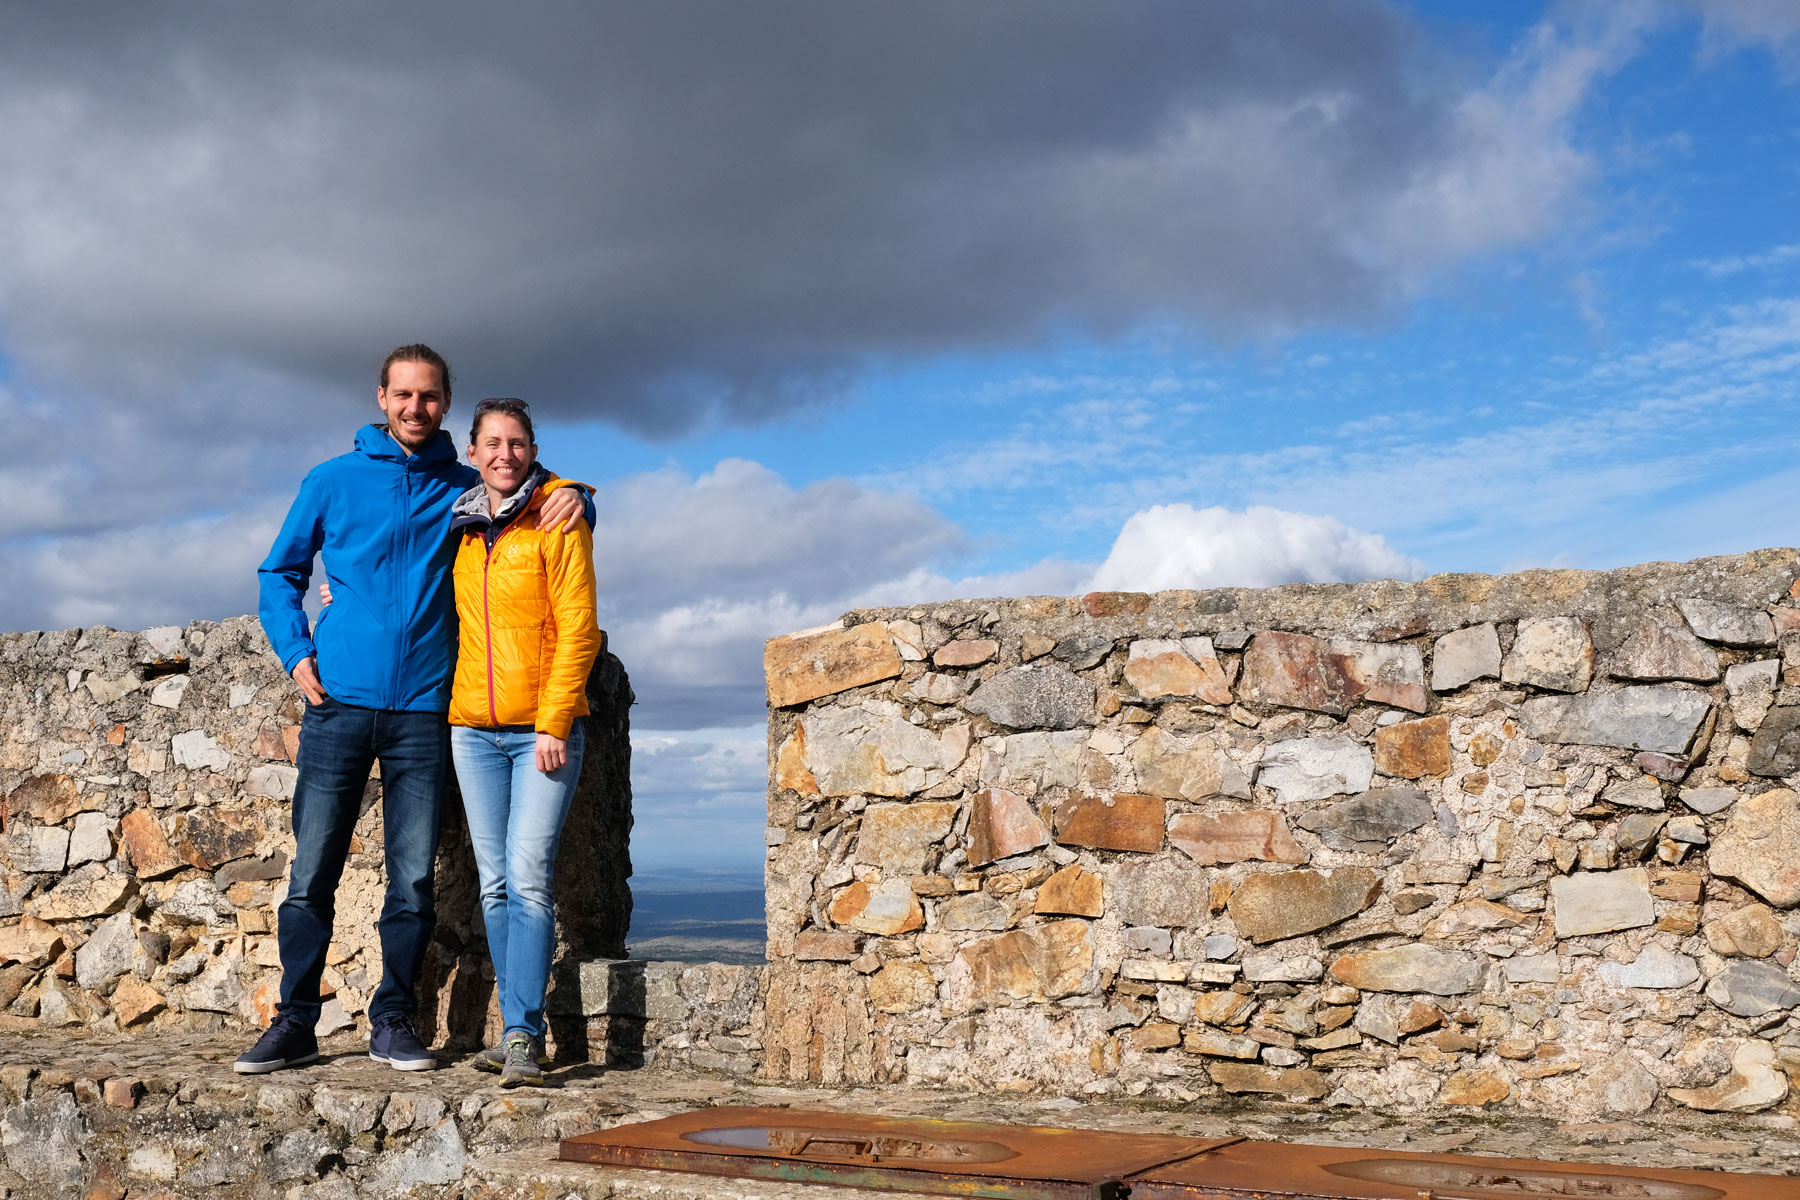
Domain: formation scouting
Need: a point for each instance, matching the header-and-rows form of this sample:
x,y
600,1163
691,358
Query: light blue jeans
x,y
516,817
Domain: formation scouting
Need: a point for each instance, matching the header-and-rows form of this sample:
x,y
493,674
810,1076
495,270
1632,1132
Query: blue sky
x,y
920,301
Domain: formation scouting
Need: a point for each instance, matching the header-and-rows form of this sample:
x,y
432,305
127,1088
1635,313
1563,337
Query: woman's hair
x,y
511,406
417,352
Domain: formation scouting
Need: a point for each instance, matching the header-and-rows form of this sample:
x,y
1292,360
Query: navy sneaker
x,y
393,1042
289,1042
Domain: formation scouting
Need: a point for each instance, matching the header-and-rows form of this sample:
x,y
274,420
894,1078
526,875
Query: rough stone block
x,y
899,837
1655,717
1601,901
1414,749
1727,624
1235,837
1271,907
1554,653
1314,768
1072,892
1125,821
806,666
1035,697
1370,822
1413,968
1001,825
1464,655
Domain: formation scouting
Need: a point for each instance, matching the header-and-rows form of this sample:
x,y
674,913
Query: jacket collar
x,y
471,508
373,441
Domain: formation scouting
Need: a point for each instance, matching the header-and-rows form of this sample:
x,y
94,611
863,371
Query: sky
x,y
888,303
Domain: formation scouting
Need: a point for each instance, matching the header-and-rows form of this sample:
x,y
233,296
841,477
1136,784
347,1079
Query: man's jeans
x,y
338,745
516,817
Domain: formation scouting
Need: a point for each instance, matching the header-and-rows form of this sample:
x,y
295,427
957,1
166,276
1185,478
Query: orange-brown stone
x,y
1042,963
1420,1015
1222,1008
882,908
1268,908
1235,837
268,743
1125,821
1071,892
1173,673
1475,1088
1297,670
1115,604
1158,1036
791,771
902,987
290,742
1295,1083
805,666
898,837
50,799
826,945
1414,749
149,851
970,652
30,942
210,838
133,1001
1002,824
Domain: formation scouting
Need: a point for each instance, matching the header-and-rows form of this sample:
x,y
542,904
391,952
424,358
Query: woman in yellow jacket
x,y
525,601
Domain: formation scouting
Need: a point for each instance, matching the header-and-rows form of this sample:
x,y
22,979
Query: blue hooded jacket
x,y
381,518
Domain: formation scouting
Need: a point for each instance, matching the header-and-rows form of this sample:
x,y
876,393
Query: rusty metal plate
x,y
1276,1171
957,1158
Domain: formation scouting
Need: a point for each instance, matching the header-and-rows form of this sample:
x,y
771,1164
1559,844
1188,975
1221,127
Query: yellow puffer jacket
x,y
528,635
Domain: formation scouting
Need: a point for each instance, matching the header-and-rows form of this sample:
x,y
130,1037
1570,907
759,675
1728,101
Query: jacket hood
x,y
373,441
471,508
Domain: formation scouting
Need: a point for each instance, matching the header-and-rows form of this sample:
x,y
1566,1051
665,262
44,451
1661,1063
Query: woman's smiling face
x,y
503,452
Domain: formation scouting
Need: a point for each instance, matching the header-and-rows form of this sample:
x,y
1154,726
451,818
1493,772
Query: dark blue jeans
x,y
338,745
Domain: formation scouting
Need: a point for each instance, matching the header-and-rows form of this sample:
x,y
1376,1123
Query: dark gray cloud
x,y
674,212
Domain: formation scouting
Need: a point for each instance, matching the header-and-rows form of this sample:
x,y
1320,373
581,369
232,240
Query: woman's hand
x,y
552,752
325,592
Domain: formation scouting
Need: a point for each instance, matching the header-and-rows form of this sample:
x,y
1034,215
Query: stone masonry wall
x,y
1525,840
144,841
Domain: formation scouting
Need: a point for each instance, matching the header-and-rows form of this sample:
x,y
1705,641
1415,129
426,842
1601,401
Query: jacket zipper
x,y
404,556
488,627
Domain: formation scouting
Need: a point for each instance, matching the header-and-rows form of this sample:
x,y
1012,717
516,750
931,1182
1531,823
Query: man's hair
x,y
417,352
512,406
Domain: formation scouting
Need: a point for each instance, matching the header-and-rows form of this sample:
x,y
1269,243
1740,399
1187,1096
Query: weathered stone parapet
x,y
145,780
1523,840
630,1014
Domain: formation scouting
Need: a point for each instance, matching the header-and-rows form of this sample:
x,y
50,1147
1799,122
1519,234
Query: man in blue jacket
x,y
376,676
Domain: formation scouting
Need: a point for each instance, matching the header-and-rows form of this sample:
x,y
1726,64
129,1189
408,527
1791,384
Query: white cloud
x,y
1731,24
139,574
1733,264
698,796
1179,546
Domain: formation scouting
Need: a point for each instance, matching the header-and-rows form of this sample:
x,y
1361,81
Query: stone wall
x,y
144,840
1524,840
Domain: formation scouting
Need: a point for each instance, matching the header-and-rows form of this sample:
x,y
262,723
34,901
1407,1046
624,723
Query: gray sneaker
x,y
521,1068
494,1057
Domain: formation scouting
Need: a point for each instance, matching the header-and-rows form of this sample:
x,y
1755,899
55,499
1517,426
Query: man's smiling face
x,y
414,403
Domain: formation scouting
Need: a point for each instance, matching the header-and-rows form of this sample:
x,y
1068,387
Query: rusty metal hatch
x,y
1271,1169
958,1158
1023,1162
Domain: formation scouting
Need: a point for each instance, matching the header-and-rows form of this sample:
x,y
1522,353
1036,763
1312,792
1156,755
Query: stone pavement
x,y
147,1117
